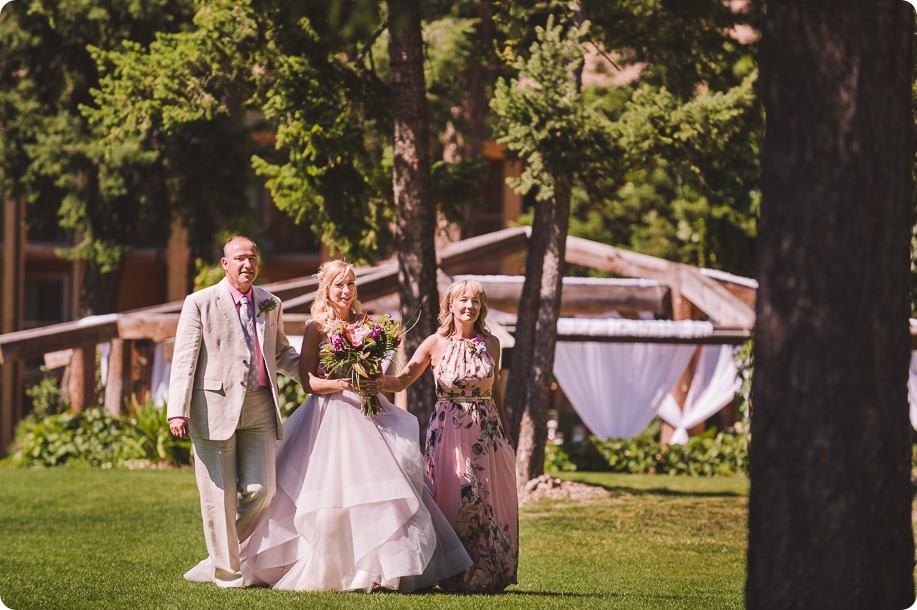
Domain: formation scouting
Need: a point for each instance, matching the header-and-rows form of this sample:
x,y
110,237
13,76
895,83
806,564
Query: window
x,y
46,299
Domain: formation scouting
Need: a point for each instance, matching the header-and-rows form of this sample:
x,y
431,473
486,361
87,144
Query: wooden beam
x,y
717,302
718,337
491,245
705,293
383,280
55,360
288,289
161,327
38,341
580,298
157,327
615,260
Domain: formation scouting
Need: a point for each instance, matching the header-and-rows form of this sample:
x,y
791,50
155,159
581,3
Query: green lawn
x,y
122,539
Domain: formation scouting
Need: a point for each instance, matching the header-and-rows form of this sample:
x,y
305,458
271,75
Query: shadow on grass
x,y
658,491
522,593
665,491
555,594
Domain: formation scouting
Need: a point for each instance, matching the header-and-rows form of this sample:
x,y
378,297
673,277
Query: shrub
x,y
44,391
712,453
154,436
556,460
290,395
92,437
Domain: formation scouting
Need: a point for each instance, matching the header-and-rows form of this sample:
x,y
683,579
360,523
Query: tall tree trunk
x,y
830,504
552,233
99,291
416,218
517,385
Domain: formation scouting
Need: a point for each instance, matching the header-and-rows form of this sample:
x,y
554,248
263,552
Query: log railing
x,y
75,343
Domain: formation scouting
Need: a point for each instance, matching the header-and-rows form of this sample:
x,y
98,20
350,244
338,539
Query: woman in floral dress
x,y
468,455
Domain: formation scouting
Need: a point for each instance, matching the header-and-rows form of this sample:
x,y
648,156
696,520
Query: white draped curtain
x,y
159,383
617,388
715,382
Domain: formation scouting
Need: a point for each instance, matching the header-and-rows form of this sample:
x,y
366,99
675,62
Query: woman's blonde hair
x,y
447,322
322,311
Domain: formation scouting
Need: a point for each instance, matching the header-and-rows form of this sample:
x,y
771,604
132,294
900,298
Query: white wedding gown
x,y
353,508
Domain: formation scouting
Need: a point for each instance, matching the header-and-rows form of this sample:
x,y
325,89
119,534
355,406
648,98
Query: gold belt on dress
x,y
460,398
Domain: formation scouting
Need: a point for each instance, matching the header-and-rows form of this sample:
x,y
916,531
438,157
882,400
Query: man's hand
x,y
179,426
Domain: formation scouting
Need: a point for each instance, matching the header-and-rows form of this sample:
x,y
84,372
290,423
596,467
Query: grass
x,y
120,539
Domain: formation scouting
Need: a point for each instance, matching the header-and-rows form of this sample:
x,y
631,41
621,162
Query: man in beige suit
x,y
223,392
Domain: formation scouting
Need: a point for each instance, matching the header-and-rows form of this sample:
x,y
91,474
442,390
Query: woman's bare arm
x,y
413,369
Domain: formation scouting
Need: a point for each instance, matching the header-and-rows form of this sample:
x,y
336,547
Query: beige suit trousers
x,y
236,479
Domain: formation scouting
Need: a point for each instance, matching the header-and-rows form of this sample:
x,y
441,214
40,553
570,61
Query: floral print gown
x,y
472,465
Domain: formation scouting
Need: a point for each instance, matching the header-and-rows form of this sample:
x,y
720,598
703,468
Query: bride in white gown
x,y
352,510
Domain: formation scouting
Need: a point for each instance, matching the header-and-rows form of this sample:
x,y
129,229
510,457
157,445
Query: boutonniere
x,y
477,344
266,305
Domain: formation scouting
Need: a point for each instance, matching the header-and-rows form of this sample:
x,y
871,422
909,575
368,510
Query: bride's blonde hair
x,y
447,322
322,311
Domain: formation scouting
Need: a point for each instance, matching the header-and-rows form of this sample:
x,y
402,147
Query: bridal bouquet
x,y
357,350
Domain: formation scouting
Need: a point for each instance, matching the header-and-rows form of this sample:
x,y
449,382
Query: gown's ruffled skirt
x,y
353,508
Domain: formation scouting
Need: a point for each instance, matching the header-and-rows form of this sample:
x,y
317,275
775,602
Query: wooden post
x,y
7,376
680,393
177,260
142,369
11,287
682,309
512,210
81,383
118,382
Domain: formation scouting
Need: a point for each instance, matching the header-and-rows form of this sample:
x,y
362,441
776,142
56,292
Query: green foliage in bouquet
x,y
357,350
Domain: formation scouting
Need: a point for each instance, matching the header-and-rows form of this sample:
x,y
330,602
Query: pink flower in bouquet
x,y
357,351
357,332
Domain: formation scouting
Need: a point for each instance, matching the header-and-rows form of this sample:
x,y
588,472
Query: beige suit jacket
x,y
209,362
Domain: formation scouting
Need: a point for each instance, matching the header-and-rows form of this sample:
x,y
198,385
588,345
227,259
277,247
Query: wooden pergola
x,y
680,292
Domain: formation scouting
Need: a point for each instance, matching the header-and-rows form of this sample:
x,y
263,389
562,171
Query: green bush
x,y
92,437
44,391
712,453
156,439
556,460
95,437
290,395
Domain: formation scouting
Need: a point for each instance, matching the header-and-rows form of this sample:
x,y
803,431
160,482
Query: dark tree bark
x,y
549,237
517,385
416,217
99,291
830,505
